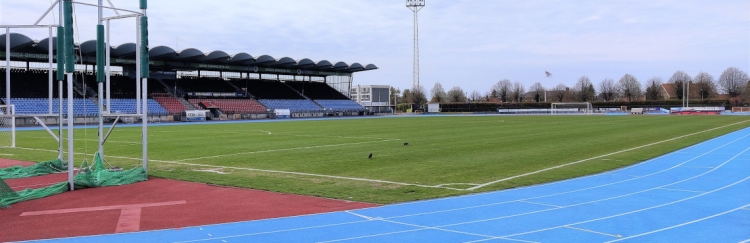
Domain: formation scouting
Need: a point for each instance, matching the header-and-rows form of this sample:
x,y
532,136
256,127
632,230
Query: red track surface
x,y
154,204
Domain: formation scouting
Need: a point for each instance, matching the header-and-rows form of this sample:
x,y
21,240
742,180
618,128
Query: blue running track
x,y
697,194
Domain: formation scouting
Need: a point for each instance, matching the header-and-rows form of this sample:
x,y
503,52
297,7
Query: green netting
x,y
6,192
98,176
31,194
92,176
41,168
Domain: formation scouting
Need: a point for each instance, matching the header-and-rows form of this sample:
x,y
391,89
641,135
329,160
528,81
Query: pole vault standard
x,y
66,63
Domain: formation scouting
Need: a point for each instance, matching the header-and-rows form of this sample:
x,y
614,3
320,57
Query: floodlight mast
x,y
415,6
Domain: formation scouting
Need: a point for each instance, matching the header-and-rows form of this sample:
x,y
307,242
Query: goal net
x,y
7,126
571,108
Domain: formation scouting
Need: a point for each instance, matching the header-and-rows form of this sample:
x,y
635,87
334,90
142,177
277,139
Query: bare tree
x,y
456,94
517,91
502,89
538,91
630,87
418,97
679,79
438,93
559,92
608,89
654,89
475,95
706,85
733,81
585,89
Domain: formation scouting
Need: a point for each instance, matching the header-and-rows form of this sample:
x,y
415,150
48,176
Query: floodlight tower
x,y
415,6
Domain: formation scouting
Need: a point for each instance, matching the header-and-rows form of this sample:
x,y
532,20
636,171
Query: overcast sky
x,y
471,44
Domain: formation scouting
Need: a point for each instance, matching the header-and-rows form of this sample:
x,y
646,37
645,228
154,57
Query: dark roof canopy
x,y
24,44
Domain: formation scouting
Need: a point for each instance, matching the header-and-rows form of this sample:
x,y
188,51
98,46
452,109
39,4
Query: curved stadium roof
x,y
24,44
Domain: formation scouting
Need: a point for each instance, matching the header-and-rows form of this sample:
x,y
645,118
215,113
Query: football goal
x,y
571,108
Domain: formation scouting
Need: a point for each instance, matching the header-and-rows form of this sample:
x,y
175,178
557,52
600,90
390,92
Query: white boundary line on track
x,y
679,225
597,157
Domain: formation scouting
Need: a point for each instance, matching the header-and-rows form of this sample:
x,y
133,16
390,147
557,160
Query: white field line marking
x,y
90,140
597,157
591,231
543,204
457,184
284,149
7,154
216,170
583,189
605,199
680,190
267,171
679,225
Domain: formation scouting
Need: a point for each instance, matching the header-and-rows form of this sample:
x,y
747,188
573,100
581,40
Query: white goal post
x,y
7,126
571,108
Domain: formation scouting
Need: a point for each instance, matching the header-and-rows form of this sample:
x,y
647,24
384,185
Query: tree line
x,y
733,82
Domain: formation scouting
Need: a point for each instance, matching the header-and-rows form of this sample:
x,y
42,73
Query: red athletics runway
x,y
150,205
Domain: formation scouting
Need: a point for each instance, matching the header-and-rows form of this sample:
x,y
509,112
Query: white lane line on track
x,y
543,204
680,225
419,228
602,218
597,157
653,207
591,231
680,190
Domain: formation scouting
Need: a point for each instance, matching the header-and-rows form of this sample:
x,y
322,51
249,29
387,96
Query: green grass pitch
x,y
445,155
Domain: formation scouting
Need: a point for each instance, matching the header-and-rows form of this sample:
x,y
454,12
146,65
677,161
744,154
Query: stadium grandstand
x,y
239,86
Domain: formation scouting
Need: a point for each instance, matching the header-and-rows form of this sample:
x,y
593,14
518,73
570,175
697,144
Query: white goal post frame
x,y
11,116
588,108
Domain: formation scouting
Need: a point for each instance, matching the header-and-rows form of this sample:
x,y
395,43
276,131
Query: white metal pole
x,y
70,130
51,76
107,62
144,117
137,66
7,67
100,91
60,97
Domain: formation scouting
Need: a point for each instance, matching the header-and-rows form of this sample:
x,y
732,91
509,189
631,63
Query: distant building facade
x,y
375,98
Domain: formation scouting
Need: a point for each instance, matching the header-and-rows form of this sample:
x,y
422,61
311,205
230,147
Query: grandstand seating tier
x,y
292,105
232,105
340,105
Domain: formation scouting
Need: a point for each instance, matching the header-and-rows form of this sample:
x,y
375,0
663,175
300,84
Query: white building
x,y
375,98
